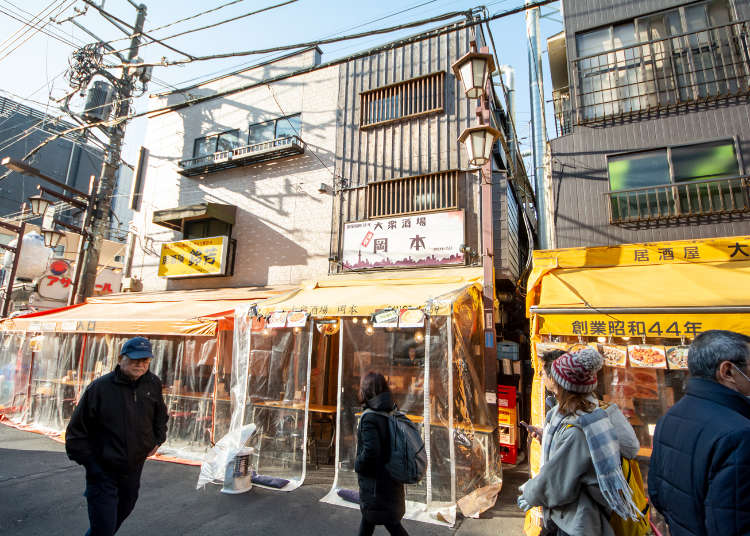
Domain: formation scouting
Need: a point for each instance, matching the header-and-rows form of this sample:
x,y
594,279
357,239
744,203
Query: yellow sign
x,y
194,258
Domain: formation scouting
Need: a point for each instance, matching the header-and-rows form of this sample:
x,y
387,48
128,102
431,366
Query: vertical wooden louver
x,y
410,98
408,195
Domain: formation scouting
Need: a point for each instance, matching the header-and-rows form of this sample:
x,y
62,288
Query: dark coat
x,y
382,499
117,422
700,467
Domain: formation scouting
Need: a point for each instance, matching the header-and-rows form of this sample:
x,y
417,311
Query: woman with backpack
x,y
581,482
382,499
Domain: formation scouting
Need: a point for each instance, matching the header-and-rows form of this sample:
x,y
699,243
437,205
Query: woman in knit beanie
x,y
580,482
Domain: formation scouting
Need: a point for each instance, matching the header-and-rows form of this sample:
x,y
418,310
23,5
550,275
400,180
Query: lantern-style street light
x,y
479,141
51,237
473,69
39,204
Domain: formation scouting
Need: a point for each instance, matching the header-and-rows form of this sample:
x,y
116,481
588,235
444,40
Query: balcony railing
x,y
242,156
701,66
680,199
563,111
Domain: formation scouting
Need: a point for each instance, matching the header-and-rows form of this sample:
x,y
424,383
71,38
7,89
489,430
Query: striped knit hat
x,y
576,371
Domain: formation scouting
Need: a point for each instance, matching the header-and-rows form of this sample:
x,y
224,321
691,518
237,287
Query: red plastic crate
x,y
506,397
508,454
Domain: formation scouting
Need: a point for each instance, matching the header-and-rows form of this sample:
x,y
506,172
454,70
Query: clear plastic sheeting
x,y
48,372
427,368
54,381
15,368
213,468
271,384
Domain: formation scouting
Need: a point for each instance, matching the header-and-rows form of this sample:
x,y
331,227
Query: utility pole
x,y
108,180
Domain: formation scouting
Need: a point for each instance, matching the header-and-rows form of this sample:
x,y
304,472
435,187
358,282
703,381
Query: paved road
x,y
41,494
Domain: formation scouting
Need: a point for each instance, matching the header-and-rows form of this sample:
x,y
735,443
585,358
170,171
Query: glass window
x,y
705,161
228,141
594,42
649,168
204,146
205,229
261,132
288,126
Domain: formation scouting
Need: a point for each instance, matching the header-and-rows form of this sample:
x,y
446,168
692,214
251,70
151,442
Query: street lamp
x,y
473,69
39,204
479,141
51,237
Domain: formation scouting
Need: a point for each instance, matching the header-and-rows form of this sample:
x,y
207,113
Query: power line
x,y
21,31
32,34
111,17
310,44
48,30
214,25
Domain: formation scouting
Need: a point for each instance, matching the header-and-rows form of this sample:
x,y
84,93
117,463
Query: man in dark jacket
x,y
701,460
120,420
382,499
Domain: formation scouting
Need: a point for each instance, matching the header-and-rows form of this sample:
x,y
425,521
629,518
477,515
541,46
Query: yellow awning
x,y
194,312
362,295
660,289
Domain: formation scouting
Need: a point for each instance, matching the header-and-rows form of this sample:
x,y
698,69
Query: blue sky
x,y
34,70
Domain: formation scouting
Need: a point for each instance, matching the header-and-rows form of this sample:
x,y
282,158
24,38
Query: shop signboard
x,y
411,241
199,257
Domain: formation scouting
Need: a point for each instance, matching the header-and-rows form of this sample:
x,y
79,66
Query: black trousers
x,y
111,497
366,528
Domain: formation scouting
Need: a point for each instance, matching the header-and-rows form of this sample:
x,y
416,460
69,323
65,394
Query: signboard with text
x,y
404,241
194,258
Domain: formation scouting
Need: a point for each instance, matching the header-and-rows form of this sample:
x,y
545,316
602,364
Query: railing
x,y
436,191
247,154
563,111
693,67
680,199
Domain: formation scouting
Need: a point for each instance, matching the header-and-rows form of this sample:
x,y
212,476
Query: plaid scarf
x,y
605,455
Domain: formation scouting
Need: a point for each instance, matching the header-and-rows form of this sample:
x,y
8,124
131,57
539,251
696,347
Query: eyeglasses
x,y
740,371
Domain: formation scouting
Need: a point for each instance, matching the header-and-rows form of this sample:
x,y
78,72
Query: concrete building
x,y
653,122
246,162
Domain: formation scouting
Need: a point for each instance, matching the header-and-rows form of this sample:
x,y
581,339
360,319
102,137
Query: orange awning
x,y
188,312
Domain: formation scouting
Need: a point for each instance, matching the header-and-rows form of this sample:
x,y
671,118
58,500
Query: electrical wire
x,y
112,18
36,30
48,30
12,38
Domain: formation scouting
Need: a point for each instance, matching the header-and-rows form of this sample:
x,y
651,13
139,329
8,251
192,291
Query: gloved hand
x,y
522,504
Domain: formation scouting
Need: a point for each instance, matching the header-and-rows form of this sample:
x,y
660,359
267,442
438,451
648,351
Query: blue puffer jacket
x,y
700,468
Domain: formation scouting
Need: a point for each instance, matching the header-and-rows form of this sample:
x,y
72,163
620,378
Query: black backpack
x,y
408,461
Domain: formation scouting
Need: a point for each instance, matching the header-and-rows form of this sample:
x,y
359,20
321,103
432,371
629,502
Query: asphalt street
x,y
41,493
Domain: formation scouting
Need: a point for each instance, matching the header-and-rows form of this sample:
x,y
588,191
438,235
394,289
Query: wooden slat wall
x,y
418,146
423,193
403,100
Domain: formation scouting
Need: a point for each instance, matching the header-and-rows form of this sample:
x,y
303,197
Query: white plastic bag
x,y
215,462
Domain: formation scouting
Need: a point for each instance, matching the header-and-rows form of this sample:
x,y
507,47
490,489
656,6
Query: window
x,y
206,228
675,56
282,127
410,98
691,179
208,145
423,193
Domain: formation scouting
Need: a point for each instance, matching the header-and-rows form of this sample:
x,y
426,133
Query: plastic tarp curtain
x,y
45,374
270,388
439,386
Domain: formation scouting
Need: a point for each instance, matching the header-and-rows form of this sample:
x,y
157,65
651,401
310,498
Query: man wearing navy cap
x,y
120,420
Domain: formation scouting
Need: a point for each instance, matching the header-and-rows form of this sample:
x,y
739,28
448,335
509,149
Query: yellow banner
x,y
194,258
660,326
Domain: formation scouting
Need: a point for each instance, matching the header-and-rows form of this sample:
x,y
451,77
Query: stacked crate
x,y
507,420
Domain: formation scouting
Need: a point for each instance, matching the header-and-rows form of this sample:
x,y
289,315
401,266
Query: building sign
x,y
194,258
57,283
409,241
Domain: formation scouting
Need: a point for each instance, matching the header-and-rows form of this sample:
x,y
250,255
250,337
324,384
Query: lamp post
x,y
40,205
474,70
20,230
